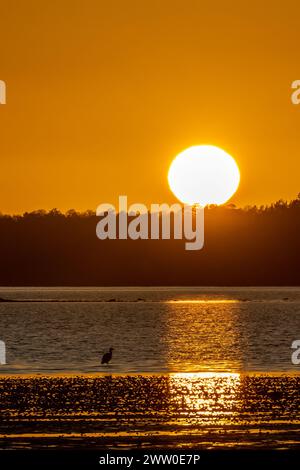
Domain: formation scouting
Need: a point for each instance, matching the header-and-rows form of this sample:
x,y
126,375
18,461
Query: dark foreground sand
x,y
178,411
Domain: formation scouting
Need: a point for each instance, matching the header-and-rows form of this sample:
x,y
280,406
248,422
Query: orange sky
x,y
102,95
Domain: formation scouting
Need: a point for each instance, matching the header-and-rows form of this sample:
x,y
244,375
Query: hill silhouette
x,y
250,246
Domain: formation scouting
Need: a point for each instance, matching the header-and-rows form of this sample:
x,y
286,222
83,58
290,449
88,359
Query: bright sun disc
x,y
203,175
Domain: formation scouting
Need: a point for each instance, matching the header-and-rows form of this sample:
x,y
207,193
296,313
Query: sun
x,y
203,174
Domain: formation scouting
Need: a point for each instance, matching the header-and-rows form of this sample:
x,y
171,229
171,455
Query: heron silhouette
x,y
107,356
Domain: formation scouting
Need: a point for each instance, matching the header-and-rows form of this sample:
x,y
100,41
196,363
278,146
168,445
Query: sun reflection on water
x,y
206,396
202,335
202,301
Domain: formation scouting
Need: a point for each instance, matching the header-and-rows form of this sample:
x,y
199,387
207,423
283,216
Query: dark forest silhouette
x,y
250,246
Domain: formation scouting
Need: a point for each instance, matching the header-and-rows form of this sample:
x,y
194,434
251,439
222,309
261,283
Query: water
x,y
48,330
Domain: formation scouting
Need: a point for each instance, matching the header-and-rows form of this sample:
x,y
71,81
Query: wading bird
x,y
107,356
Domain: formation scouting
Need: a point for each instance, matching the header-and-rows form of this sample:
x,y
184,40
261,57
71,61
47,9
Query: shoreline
x,y
195,374
175,411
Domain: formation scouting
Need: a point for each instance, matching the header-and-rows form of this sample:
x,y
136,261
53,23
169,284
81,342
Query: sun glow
x,y
202,301
203,174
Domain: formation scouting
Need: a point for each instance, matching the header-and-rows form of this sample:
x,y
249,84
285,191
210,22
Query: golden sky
x,y
102,95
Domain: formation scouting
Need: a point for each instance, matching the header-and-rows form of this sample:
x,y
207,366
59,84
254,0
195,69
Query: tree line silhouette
x,y
242,247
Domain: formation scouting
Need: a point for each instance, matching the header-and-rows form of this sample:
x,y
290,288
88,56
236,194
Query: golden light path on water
x,y
202,301
202,335
206,396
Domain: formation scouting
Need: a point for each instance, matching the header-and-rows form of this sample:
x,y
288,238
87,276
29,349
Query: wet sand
x,y
179,411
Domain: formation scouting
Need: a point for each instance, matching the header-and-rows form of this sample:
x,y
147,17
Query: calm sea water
x,y
151,329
